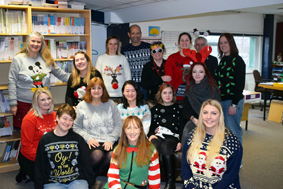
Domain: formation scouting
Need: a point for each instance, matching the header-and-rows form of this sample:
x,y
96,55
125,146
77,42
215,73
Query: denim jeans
x,y
81,184
233,122
143,91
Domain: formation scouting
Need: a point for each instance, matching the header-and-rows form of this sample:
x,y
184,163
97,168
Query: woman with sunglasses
x,y
153,75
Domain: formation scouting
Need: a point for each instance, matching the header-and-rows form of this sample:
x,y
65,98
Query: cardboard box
x,y
275,111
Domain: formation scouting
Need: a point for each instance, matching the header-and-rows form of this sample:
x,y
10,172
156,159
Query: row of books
x,y
10,46
5,127
12,21
63,49
53,24
67,66
12,150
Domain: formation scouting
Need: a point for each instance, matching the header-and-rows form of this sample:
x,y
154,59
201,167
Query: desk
x,y
265,94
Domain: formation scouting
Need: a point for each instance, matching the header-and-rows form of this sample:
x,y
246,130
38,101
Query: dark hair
x,y
211,80
184,33
66,108
118,44
233,47
162,87
96,81
139,100
158,43
134,26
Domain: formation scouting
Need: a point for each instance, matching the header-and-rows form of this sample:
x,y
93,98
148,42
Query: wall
x,y
243,23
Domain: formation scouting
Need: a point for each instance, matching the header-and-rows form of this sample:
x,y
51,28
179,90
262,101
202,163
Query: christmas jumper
x,y
174,68
211,63
131,173
137,57
27,74
102,123
33,128
115,71
222,173
62,159
75,94
230,76
142,112
151,78
167,121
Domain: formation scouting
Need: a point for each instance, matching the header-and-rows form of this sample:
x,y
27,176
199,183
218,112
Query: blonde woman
x,y
30,69
39,120
82,73
212,154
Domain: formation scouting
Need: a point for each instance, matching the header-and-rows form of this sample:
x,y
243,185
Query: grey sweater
x,y
102,123
26,74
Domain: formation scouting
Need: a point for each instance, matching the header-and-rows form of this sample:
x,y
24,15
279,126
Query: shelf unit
x,y
58,93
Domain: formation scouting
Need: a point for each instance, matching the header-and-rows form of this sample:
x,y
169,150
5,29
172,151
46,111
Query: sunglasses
x,y
155,51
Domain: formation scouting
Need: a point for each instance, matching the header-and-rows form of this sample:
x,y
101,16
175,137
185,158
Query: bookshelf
x,y
58,90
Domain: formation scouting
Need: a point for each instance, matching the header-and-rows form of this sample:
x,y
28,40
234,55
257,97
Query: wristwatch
x,y
233,105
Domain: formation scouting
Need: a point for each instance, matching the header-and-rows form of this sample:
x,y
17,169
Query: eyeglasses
x,y
155,51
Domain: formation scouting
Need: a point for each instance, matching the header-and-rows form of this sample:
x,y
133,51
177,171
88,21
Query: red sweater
x,y
173,67
33,128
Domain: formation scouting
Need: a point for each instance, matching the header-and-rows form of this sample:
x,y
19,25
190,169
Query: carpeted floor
x,y
262,159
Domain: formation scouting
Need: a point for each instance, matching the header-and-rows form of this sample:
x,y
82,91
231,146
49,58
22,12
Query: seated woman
x,y
39,120
133,104
200,87
99,123
134,163
67,166
82,73
153,74
212,154
166,129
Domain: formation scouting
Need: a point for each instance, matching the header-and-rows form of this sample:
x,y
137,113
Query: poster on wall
x,y
153,31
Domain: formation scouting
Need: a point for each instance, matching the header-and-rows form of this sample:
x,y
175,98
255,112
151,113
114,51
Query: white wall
x,y
98,35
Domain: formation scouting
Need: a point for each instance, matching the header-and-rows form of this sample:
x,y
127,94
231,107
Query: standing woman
x,y
134,163
133,104
114,67
40,120
175,65
230,76
30,69
200,87
82,73
99,123
166,129
153,74
212,155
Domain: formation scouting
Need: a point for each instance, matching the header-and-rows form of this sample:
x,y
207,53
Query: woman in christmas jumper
x,y
134,163
99,123
153,74
212,154
133,104
114,67
39,120
175,65
82,73
30,69
60,159
230,76
166,129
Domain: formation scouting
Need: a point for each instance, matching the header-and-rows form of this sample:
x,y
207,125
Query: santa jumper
x,y
222,173
131,173
115,71
32,130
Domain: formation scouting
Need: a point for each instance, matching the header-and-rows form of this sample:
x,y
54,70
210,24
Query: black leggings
x,y
26,165
165,147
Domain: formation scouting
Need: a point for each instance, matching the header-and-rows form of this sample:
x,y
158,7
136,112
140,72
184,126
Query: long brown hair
x,y
145,149
233,47
96,81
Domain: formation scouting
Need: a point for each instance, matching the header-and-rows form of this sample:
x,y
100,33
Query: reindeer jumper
x,y
115,71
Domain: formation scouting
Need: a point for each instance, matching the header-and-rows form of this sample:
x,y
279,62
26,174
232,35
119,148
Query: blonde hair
x,y
44,51
145,149
118,44
76,73
216,142
35,106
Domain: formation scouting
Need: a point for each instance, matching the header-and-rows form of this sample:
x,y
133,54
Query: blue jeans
x,y
143,91
82,184
233,122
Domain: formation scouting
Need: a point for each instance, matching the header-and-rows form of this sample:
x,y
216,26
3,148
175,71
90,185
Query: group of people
x,y
198,112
